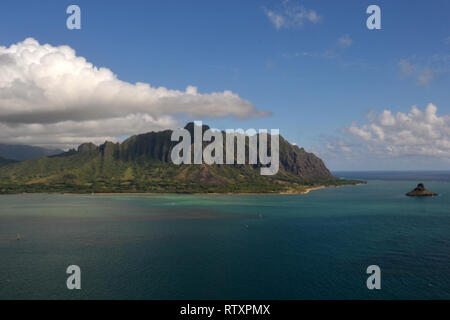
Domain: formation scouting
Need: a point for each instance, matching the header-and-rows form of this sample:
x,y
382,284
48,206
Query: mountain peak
x,y
190,127
89,146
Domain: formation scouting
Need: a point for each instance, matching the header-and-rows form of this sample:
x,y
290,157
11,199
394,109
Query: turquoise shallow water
x,y
314,246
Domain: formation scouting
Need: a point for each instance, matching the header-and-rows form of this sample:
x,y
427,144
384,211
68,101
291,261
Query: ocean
x,y
312,246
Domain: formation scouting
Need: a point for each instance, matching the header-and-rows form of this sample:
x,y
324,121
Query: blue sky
x,y
317,78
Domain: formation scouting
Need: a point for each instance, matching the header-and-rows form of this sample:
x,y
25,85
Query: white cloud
x,y
416,133
49,95
389,140
345,41
291,15
406,68
425,70
328,54
342,43
69,134
425,77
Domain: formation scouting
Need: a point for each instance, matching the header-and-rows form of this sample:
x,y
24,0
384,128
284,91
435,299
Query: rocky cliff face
x,y
85,147
158,146
143,163
300,163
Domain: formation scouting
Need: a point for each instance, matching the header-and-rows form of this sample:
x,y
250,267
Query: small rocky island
x,y
420,191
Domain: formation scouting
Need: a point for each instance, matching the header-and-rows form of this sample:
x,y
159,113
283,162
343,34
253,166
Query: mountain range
x,y
142,163
4,161
23,152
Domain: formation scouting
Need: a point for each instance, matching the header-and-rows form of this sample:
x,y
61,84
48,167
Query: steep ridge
x,y
142,163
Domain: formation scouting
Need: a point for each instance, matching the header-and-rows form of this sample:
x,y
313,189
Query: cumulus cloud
x,y
416,133
45,89
69,134
291,15
392,141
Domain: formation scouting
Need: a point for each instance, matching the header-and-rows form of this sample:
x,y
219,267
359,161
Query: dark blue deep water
x,y
313,246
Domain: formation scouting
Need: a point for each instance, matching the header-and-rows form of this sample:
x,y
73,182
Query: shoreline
x,y
317,188
288,192
308,190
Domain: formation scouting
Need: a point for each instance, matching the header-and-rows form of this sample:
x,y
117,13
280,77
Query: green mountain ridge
x,y
142,163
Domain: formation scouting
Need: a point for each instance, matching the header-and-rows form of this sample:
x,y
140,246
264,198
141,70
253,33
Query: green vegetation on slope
x,y
142,164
